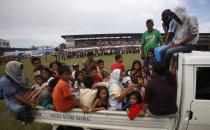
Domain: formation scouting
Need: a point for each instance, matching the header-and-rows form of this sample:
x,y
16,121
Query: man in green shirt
x,y
150,39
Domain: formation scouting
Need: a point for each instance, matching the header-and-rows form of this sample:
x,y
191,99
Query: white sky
x,y
42,22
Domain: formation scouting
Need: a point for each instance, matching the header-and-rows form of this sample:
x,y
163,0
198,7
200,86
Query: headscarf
x,y
115,76
114,85
14,71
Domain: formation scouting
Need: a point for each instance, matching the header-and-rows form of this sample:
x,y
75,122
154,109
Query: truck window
x,y
203,83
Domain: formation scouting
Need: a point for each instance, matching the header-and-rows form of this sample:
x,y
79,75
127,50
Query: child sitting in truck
x,y
149,61
35,89
63,99
142,83
54,68
135,71
101,100
78,84
136,105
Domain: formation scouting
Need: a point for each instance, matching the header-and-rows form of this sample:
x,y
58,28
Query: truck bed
x,y
115,120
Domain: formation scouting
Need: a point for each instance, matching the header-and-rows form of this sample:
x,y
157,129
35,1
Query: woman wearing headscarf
x,y
14,85
116,91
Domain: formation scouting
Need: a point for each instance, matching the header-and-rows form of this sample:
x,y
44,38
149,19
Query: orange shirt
x,y
61,97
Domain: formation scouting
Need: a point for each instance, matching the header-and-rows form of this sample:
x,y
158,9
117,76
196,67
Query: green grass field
x,y
8,122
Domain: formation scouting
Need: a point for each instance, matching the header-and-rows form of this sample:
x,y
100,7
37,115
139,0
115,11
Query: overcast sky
x,y
42,22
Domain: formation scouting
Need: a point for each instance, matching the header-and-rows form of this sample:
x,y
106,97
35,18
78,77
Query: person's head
x,y
14,69
75,66
64,72
88,82
38,79
105,74
45,73
150,53
117,75
100,64
135,97
118,58
102,93
180,14
84,72
93,71
144,73
149,24
79,76
159,69
90,55
36,62
126,81
54,65
167,16
136,65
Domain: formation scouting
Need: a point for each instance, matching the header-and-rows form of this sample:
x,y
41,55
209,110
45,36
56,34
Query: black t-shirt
x,y
161,97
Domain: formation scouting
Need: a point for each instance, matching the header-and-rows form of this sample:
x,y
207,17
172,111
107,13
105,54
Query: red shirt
x,y
97,79
134,110
117,66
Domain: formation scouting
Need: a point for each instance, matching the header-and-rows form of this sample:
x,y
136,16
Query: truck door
x,y
200,107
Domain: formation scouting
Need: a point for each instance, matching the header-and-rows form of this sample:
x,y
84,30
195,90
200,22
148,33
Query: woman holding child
x,y
116,91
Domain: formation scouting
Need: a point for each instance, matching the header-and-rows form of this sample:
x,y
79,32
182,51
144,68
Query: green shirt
x,y
150,40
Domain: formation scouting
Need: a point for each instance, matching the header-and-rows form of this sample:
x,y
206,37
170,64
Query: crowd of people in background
x,y
101,43
112,50
147,87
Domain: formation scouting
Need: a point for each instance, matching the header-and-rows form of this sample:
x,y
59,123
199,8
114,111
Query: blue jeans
x,y
160,52
21,112
187,48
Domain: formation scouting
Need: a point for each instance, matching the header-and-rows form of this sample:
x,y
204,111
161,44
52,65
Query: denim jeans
x,y
187,48
160,52
24,114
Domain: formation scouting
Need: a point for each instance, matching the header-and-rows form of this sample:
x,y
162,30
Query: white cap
x,y
126,79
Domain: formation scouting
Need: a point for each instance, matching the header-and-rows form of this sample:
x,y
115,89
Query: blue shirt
x,y
172,26
9,88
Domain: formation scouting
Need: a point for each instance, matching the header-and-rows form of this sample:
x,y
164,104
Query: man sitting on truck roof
x,y
186,34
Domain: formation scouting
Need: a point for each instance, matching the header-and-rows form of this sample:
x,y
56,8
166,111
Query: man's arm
x,y
125,92
186,40
21,100
143,111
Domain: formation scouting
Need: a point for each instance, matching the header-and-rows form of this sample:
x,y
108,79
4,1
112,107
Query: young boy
x,y
36,62
118,64
75,67
100,66
35,89
94,74
169,27
63,99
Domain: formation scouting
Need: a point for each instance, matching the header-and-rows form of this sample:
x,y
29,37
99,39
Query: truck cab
x,y
193,101
193,74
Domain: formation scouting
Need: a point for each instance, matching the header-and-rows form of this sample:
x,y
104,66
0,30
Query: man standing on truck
x,y
186,34
150,39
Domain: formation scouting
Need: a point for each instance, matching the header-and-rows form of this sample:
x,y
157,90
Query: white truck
x,y
193,100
